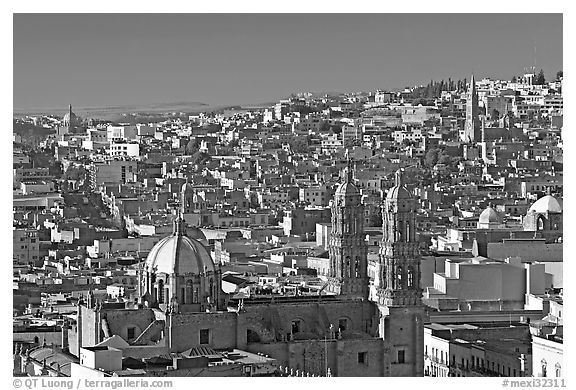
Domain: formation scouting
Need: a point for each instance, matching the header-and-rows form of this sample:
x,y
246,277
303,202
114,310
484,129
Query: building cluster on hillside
x,y
358,234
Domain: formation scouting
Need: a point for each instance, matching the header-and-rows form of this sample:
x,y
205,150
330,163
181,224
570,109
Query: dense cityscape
x,y
414,232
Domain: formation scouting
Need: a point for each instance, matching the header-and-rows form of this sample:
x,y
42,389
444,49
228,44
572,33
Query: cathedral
x,y
180,306
71,124
472,131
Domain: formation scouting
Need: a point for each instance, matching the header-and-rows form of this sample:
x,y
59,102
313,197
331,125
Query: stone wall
x,y
342,357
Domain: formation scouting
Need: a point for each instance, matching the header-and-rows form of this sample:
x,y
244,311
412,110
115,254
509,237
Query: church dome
x,y
347,189
70,118
546,204
489,215
180,254
399,191
347,194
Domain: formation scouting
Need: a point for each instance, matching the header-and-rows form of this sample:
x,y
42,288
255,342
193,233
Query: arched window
x,y
347,267
195,297
189,289
407,232
399,275
540,223
558,370
544,368
160,291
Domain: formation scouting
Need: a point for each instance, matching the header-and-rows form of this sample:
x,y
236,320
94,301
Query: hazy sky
x,y
95,60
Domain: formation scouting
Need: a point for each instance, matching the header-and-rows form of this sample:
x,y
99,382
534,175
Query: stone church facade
x,y
345,334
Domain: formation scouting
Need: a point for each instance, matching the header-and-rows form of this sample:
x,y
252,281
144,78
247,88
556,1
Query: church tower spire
x,y
472,125
348,272
398,291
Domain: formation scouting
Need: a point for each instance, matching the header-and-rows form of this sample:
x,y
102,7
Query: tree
x,y
325,127
431,157
192,146
495,114
419,101
540,79
75,173
559,75
444,159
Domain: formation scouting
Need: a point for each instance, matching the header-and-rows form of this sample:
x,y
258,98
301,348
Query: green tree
x,y
495,114
444,159
325,127
540,79
431,157
559,75
192,146
74,173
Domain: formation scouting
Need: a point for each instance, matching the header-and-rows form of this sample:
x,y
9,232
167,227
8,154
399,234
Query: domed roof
x,y
347,189
399,191
70,117
546,204
67,117
180,254
489,215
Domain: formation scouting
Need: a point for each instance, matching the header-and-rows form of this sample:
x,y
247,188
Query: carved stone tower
x,y
472,125
348,275
398,292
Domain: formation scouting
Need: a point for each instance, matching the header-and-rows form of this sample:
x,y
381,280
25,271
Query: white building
x,y
124,149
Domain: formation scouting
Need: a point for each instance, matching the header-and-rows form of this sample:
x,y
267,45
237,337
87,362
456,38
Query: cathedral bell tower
x,y
472,131
398,291
348,275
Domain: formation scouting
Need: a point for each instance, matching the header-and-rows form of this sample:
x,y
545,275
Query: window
x,y
342,323
131,333
204,336
252,337
296,326
160,291
189,288
362,357
558,370
401,356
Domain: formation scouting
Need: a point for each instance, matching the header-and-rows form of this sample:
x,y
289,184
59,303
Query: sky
x,y
99,60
